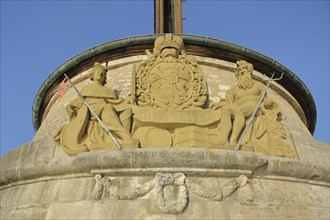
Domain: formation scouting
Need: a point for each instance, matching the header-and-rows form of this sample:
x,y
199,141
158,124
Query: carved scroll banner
x,y
197,117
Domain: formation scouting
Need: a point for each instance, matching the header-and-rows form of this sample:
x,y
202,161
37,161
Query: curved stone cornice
x,y
194,161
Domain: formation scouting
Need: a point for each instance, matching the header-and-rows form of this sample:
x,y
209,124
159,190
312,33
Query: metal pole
x,y
238,145
94,114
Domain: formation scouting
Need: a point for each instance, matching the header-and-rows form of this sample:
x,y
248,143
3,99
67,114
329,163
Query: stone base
x,y
157,183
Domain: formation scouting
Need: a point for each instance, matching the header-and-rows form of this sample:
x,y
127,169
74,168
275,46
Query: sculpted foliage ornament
x,y
168,107
181,187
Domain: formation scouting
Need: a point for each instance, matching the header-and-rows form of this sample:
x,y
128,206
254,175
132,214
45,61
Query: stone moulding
x,y
197,161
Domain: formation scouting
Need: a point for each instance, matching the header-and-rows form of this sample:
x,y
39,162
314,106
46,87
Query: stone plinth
x,y
53,187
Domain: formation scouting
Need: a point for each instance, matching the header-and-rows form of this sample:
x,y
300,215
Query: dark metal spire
x,y
168,16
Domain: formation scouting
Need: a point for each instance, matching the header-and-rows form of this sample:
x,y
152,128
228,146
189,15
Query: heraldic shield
x,y
169,79
170,94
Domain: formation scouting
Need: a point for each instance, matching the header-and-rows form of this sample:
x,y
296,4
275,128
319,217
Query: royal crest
x,y
170,79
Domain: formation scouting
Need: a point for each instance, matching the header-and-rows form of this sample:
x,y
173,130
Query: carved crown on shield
x,y
168,41
176,83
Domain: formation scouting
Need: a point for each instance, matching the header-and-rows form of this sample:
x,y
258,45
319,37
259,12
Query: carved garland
x,y
104,186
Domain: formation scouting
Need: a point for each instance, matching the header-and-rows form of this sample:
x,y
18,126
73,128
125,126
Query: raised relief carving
x,y
220,194
170,92
172,190
173,181
242,100
83,132
104,188
267,134
170,79
168,107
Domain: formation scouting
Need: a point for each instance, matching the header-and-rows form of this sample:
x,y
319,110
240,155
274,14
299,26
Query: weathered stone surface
x,y
50,192
275,211
199,159
8,164
72,189
25,212
282,192
22,160
201,210
81,210
30,193
39,181
70,197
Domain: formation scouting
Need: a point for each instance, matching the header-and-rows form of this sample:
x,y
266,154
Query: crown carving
x,y
168,41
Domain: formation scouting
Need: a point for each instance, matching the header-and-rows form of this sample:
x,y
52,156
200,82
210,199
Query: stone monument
x,y
181,109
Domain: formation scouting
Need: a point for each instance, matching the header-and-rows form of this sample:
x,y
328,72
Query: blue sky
x,y
39,36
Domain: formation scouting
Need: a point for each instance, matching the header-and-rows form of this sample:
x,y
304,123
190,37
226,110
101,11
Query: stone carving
x,y
217,194
242,100
170,79
104,187
267,134
168,107
83,132
276,133
177,180
174,186
170,94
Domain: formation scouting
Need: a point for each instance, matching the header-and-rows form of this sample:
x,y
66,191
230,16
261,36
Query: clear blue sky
x,y
39,36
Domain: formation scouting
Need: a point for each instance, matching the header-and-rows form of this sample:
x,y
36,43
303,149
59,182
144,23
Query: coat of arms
x,y
170,79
